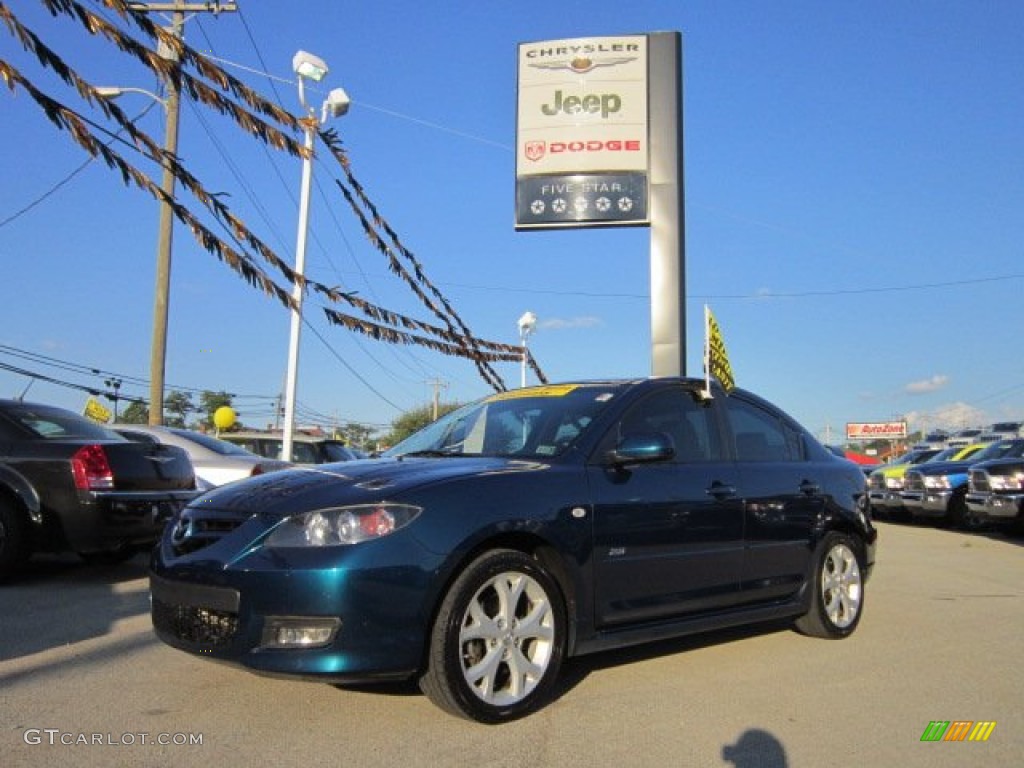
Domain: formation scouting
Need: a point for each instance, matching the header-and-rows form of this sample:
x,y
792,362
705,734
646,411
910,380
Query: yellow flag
x,y
716,359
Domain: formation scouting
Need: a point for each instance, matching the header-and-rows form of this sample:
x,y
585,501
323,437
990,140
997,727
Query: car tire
x,y
837,585
960,516
498,639
14,545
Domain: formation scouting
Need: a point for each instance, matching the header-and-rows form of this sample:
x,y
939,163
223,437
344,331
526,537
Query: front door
x,y
668,536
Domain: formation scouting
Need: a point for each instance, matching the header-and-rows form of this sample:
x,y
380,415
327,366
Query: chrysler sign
x,y
582,152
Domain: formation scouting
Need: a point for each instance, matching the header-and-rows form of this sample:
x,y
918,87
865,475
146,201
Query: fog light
x,y
299,631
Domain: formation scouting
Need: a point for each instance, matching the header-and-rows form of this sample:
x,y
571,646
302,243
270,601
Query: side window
x,y
674,412
760,435
303,453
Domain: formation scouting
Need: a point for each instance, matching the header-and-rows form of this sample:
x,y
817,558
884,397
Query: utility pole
x,y
437,384
161,299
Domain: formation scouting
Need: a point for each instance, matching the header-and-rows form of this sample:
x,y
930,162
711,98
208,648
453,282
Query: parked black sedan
x,y
530,526
67,483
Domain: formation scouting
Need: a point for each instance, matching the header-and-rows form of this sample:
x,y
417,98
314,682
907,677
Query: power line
x,y
58,185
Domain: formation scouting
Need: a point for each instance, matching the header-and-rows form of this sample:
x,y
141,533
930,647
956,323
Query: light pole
x,y
306,66
115,384
526,325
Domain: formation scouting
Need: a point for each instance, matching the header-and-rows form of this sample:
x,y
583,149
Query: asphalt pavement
x,y
83,682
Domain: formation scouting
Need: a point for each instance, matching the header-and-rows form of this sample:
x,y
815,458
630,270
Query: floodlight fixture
x,y
311,67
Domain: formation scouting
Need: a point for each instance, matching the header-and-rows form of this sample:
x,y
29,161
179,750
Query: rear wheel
x,y
838,589
14,546
498,640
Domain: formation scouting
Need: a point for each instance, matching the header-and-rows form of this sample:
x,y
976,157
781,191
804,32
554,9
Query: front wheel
x,y
959,515
498,639
838,590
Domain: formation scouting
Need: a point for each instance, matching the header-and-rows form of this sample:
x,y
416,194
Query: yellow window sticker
x,y
553,390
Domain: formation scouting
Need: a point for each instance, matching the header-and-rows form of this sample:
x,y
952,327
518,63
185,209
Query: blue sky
x,y
854,177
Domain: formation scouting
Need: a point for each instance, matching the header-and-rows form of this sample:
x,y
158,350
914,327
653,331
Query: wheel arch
x,y
529,544
16,489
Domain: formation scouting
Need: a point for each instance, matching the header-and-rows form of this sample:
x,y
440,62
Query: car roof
x,y
297,437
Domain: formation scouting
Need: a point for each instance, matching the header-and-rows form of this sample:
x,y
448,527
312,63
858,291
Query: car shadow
x,y
577,669
1011,534
58,600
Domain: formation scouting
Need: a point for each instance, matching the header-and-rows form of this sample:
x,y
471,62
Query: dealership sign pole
x,y
599,142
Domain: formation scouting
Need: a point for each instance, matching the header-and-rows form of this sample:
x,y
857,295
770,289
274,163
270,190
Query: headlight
x,y
937,483
894,483
1014,482
342,525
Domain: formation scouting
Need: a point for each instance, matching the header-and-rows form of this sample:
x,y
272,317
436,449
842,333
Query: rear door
x,y
667,535
783,497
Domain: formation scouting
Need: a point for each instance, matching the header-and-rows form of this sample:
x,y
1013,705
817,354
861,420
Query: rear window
x,y
223,447
51,423
338,452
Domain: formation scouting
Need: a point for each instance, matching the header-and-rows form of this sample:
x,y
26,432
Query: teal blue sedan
x,y
525,528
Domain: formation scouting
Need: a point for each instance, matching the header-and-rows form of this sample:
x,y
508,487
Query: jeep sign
x,y
582,154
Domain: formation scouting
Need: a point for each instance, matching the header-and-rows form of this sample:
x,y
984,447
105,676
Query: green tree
x,y
209,402
355,434
177,406
136,412
415,420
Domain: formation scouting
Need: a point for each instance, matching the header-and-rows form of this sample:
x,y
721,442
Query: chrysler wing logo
x,y
582,64
535,150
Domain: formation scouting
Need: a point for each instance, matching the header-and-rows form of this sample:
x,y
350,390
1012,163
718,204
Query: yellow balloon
x,y
224,417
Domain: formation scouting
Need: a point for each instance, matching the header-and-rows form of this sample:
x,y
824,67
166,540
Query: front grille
x,y
193,624
876,482
913,481
978,481
196,528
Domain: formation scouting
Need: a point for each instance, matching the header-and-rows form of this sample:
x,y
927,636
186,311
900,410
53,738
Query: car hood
x,y
942,467
301,489
892,470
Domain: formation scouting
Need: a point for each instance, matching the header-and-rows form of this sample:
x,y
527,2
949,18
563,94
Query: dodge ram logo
x,y
535,150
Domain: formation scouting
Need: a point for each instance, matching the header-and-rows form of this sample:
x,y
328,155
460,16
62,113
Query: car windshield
x,y
1004,449
58,424
524,423
223,447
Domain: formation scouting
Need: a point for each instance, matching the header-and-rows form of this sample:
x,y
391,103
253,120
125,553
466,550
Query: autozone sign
x,y
876,430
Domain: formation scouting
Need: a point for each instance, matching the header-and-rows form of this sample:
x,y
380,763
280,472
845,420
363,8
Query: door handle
x,y
720,490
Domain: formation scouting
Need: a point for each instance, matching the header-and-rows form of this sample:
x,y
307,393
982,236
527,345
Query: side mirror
x,y
642,448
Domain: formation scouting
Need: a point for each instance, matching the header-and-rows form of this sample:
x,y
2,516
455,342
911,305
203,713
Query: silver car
x,y
215,461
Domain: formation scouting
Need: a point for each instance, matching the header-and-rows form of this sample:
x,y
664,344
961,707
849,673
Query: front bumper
x,y
886,500
931,504
1000,507
227,606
